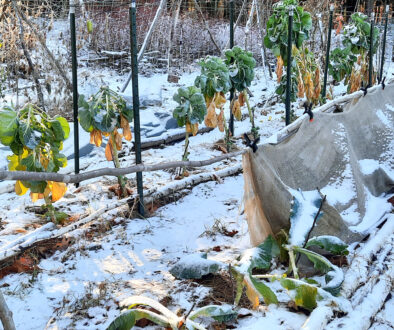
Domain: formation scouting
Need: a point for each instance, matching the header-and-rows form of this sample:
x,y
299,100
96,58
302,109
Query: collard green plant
x,y
277,28
165,318
214,82
190,112
341,64
305,73
105,114
36,141
241,65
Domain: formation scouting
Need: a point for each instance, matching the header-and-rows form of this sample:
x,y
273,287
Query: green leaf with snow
x,y
330,244
267,294
319,262
127,320
223,313
304,295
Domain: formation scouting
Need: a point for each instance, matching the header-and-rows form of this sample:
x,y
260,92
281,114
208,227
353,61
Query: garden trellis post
x,y
323,93
231,124
289,48
384,43
370,67
74,85
136,103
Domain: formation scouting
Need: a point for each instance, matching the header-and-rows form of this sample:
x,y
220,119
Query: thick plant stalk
x,y
251,114
115,156
293,264
6,314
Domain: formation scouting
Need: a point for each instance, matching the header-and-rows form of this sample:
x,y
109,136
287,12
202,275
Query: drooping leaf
x,y
128,319
319,262
224,313
330,244
304,295
58,190
8,126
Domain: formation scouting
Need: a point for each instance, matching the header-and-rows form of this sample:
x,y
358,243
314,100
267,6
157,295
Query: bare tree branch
x,y
6,315
75,178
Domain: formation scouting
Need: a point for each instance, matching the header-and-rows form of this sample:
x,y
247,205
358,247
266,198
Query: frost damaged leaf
x,y
108,151
58,190
124,124
319,262
211,119
237,110
221,120
224,313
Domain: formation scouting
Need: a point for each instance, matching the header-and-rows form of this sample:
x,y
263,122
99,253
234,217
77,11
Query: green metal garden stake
x,y
288,82
136,104
231,124
370,68
384,43
75,86
323,92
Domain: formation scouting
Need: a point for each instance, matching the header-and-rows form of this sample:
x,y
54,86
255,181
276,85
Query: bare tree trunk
x,y
41,39
6,314
147,39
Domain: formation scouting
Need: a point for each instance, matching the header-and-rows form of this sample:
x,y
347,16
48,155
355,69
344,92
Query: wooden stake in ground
x,y
6,314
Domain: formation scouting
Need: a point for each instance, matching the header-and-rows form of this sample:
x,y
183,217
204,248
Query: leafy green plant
x,y
305,73
305,292
165,318
214,82
104,114
350,63
190,112
36,141
241,65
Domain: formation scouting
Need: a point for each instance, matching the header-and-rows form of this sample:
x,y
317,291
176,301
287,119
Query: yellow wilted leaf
x,y
241,99
279,68
124,124
220,100
221,121
208,100
194,129
252,294
308,83
13,162
237,110
118,141
20,189
36,196
211,117
301,89
92,137
188,127
108,151
98,138
58,190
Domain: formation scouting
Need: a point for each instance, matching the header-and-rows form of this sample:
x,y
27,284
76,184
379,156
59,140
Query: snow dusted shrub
x,y
36,141
105,114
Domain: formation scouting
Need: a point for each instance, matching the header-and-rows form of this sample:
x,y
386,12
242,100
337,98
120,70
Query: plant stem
x,y
251,115
185,156
51,209
121,179
293,264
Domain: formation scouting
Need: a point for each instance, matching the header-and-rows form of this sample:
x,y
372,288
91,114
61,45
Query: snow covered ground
x,y
81,285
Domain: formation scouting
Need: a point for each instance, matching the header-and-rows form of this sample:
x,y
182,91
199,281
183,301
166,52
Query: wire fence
x,y
173,35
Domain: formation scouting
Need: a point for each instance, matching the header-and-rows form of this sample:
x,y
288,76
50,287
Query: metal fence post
x,y
231,124
370,68
288,82
323,92
384,43
75,86
136,103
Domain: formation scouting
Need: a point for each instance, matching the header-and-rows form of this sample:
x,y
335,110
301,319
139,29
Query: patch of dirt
x,y
223,291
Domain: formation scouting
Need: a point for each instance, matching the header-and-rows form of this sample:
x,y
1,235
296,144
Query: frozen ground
x,y
81,285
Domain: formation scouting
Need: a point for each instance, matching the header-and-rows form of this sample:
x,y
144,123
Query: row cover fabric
x,y
348,156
